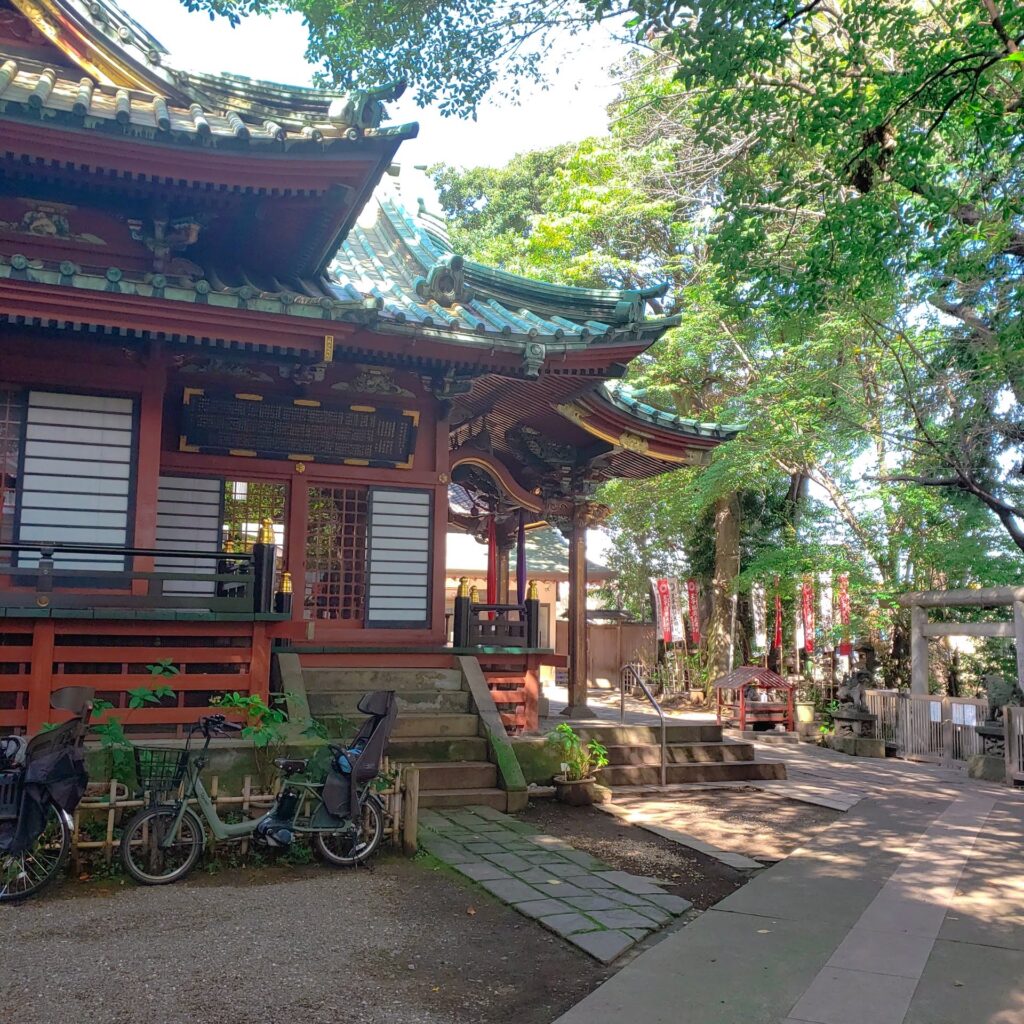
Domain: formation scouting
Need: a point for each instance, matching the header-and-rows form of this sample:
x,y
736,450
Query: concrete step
x,y
768,735
366,679
681,753
438,748
496,798
411,726
458,775
418,726
650,774
630,735
343,702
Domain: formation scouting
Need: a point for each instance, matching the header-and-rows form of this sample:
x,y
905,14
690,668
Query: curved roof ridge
x,y
624,395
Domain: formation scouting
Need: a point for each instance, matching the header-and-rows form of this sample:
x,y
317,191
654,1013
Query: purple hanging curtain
x,y
521,559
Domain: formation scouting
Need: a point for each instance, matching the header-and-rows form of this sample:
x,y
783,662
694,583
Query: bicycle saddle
x,y
291,765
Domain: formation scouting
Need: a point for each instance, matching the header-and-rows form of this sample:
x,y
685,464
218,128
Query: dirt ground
x,y
403,943
701,880
747,821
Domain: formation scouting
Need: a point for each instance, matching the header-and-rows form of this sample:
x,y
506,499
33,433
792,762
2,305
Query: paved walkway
x,y
571,893
909,910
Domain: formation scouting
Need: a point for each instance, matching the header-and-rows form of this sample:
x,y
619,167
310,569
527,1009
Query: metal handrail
x,y
633,673
62,548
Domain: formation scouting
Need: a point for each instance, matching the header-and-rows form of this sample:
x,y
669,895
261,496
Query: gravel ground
x,y
701,880
401,944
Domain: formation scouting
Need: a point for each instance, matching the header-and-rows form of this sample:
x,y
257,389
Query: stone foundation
x,y
987,767
856,746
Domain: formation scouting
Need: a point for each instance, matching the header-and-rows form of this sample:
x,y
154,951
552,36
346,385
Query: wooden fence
x,y
116,805
38,656
929,728
1013,720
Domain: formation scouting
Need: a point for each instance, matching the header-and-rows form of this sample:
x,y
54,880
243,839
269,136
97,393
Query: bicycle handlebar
x,y
211,724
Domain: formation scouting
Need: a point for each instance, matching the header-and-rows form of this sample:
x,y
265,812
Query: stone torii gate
x,y
985,597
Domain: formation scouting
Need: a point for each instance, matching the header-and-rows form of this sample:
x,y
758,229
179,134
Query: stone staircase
x,y
695,753
438,728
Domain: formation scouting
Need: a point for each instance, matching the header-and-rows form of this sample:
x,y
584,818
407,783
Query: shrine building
x,y
245,391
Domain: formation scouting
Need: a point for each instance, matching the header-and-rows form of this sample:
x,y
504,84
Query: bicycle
x,y
163,841
41,783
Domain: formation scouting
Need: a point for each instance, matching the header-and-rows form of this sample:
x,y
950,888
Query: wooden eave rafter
x,y
305,169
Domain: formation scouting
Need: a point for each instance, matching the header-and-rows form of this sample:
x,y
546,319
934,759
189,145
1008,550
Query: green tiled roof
x,y
393,276
407,264
629,400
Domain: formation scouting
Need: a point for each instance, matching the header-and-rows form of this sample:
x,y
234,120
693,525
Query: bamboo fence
x,y
116,805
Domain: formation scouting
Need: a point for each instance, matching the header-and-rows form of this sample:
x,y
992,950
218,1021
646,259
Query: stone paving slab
x,y
568,891
909,911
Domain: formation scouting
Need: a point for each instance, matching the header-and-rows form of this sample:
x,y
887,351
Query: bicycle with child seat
x,y
163,841
41,783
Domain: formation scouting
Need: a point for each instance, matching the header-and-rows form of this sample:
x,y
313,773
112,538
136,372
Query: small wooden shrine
x,y
753,695
244,391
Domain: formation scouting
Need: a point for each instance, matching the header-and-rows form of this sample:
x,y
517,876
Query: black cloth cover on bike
x,y
54,773
341,790
291,765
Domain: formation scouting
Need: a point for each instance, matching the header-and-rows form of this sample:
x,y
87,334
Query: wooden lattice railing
x,y
38,656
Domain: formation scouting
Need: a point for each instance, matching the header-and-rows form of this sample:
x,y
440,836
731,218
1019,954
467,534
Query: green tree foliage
x,y
845,402
832,192
850,145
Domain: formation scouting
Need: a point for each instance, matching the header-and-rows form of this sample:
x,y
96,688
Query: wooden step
x,y
681,753
496,798
650,774
458,775
364,680
437,748
344,702
616,735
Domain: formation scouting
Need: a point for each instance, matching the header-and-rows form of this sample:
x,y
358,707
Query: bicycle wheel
x,y
146,855
24,874
352,845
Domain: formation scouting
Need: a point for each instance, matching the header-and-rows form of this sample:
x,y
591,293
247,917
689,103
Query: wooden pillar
x,y
42,680
295,541
147,471
577,707
259,666
918,650
504,551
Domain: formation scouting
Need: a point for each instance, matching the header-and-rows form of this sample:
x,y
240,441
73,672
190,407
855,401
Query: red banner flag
x,y
845,644
663,608
777,639
691,593
807,601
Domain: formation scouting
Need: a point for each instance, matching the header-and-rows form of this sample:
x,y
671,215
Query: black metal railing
x,y
632,676
42,574
495,625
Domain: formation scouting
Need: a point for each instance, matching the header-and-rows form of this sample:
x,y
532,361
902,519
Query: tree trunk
x,y
727,567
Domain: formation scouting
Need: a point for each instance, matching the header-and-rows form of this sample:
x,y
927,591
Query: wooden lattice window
x,y
12,428
246,504
336,554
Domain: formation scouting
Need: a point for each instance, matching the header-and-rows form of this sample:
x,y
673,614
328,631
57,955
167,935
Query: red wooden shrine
x,y
245,388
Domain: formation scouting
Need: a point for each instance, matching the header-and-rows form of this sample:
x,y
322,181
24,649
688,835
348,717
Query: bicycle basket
x,y
159,769
10,795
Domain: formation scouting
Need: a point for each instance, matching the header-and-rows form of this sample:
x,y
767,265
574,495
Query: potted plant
x,y
808,704
580,762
